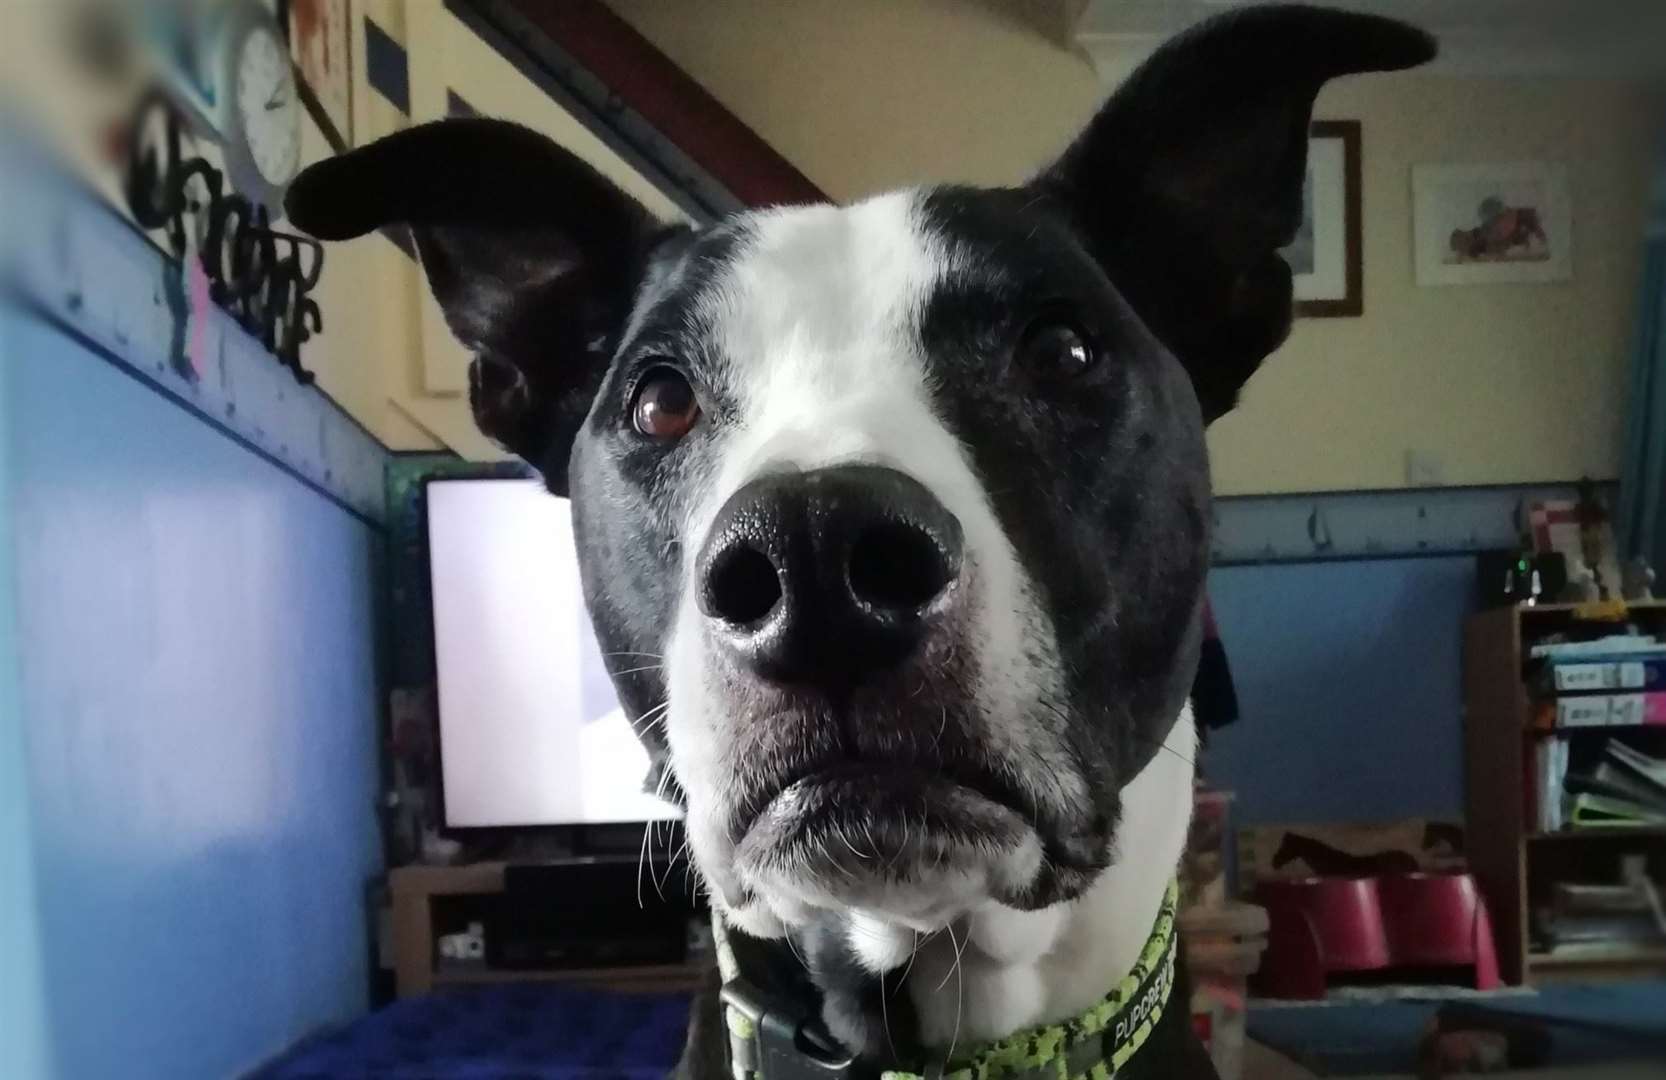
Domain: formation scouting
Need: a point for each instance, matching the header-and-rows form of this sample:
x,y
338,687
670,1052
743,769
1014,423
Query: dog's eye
x,y
665,406
1056,348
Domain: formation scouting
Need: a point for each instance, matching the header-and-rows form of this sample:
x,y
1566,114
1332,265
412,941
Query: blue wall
x,y
1349,684
22,1013
198,694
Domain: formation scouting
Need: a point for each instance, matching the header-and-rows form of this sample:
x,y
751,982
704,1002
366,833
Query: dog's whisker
x,y
840,833
641,860
670,864
958,950
659,884
902,848
959,993
912,953
794,950
873,845
1162,744
885,1017
634,670
650,655
651,715
664,780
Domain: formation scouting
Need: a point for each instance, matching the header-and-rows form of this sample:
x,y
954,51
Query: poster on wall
x,y
1492,224
1324,257
321,43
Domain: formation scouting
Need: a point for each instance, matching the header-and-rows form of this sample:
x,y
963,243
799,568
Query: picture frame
x,y
1326,257
1487,224
321,45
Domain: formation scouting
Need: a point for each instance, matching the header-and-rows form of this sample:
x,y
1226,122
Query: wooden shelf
x,y
1638,832
1595,611
1597,953
1512,861
666,977
1581,728
418,969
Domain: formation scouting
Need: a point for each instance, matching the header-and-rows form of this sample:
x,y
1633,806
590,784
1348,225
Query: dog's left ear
x,y
1189,179
534,257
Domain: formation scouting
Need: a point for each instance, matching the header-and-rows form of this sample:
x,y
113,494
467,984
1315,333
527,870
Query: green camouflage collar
x,y
770,1045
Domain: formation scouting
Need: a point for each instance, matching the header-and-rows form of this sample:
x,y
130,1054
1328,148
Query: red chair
x,y
1328,924
1320,926
1438,920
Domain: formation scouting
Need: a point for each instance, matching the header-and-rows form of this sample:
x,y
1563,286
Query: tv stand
x,y
420,894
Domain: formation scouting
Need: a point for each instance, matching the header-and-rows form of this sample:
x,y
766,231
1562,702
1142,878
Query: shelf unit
x,y
418,890
1511,860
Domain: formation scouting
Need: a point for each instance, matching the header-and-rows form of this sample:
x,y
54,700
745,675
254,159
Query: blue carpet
x,y
1382,1037
524,1031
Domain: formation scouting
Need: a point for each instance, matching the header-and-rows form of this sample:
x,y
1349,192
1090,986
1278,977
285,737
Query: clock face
x,y
267,106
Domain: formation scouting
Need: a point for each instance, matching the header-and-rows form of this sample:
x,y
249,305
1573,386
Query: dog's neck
x,y
1002,970
997,971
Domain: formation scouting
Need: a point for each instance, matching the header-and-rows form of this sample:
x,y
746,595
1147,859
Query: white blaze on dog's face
x,y
817,317
910,498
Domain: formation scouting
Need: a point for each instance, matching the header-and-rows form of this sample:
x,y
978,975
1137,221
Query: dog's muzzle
x,y
826,578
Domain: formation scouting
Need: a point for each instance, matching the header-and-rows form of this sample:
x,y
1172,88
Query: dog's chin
x,y
903,845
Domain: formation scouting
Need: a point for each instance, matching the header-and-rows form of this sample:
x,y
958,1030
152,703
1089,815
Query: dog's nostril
x,y
897,567
742,586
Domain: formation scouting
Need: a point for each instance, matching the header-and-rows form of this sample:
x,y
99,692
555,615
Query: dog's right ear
x,y
534,257
1189,180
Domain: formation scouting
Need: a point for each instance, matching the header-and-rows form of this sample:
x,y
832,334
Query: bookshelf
x,y
1513,861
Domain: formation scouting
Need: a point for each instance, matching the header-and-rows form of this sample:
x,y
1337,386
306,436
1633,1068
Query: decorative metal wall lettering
x,y
258,275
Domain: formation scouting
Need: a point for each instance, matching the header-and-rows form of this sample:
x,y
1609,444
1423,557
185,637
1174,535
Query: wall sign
x,y
320,37
1325,258
256,274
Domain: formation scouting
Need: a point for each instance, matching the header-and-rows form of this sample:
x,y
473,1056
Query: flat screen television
x,y
531,731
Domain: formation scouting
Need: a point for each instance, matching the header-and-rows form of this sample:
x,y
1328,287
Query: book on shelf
x,y
1614,646
1621,787
1595,675
1650,768
1585,898
1613,913
1601,710
1589,810
1615,781
1549,777
1615,928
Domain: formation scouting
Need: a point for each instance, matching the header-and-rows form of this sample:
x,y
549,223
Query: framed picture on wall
x,y
1491,224
1324,257
320,40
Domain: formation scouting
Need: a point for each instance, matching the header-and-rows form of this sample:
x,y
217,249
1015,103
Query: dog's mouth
x,y
901,839
914,842
865,795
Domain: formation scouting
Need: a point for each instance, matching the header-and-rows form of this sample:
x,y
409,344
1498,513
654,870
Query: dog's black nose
x,y
830,575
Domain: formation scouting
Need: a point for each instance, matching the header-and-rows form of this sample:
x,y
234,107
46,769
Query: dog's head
x,y
893,517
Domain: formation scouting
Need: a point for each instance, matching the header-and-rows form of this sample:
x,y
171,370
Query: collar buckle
x,y
781,1045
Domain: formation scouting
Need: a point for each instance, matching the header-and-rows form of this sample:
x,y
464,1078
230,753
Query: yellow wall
x,y
1497,383
1492,383
387,355
869,95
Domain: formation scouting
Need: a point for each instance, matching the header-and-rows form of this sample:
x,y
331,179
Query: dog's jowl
x,y
912,498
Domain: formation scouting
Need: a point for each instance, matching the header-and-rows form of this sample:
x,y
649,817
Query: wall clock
x,y
225,64
260,108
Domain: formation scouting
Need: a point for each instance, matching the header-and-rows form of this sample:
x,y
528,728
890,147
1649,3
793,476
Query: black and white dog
x,y
910,501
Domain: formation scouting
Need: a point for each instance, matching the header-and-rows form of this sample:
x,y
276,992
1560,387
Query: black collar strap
x,y
769,1042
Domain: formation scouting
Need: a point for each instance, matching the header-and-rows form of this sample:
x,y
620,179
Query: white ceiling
x,y
1574,38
